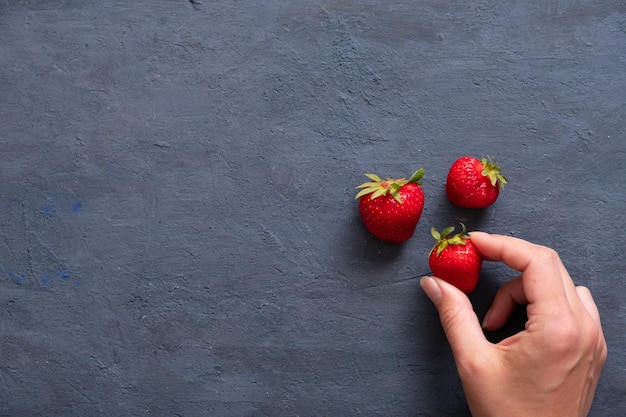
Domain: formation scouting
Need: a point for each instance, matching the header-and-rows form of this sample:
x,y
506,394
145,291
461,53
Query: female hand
x,y
549,369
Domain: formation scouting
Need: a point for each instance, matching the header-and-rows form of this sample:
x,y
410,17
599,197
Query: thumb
x,y
458,319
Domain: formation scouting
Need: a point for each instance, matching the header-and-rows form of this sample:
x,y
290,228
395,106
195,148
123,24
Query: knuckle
x,y
565,336
547,255
603,351
473,367
582,290
573,338
600,348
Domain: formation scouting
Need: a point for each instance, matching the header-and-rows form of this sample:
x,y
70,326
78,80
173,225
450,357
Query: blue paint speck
x,y
45,280
59,273
19,279
48,210
76,207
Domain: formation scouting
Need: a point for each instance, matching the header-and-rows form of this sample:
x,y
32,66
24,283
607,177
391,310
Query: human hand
x,y
549,369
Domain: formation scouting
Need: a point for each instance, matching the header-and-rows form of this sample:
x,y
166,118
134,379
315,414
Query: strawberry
x,y
474,184
455,259
391,208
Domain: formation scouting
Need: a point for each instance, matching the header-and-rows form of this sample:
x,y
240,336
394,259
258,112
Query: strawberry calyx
x,y
378,187
443,239
492,170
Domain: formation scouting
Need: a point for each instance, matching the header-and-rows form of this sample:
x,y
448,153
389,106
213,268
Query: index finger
x,y
544,278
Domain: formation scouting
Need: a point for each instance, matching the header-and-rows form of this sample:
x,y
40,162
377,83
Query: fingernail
x,y
477,233
431,288
485,319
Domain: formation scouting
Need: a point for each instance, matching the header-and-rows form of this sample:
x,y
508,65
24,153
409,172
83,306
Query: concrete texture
x,y
179,236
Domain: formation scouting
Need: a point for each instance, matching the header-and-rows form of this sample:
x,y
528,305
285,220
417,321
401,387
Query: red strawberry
x,y
455,259
391,208
474,184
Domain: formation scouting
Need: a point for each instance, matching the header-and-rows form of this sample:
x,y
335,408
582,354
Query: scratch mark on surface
x,y
392,283
29,251
274,238
47,247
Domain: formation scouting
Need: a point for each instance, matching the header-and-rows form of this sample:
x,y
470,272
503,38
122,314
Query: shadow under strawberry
x,y
378,252
366,249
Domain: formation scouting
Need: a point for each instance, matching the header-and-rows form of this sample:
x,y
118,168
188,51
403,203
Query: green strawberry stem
x,y
443,239
491,169
416,178
378,187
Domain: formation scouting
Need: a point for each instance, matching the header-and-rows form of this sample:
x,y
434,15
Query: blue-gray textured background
x,y
178,230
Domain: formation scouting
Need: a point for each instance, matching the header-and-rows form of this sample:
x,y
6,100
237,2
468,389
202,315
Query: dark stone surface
x,y
179,236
